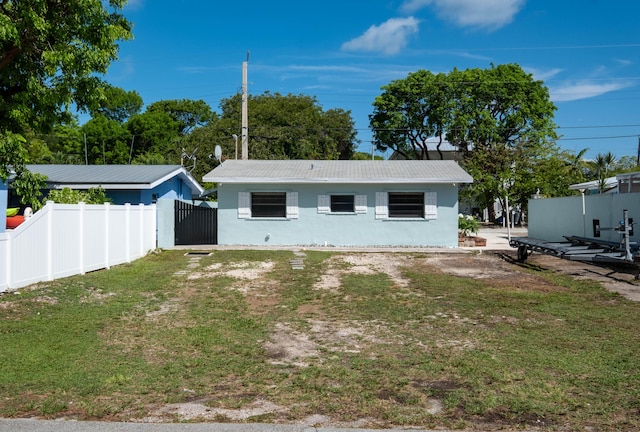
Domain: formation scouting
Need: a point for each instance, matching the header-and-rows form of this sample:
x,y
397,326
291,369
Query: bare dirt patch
x,y
502,270
366,264
619,279
239,270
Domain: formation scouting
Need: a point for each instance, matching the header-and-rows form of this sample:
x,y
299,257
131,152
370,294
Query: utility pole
x,y
245,115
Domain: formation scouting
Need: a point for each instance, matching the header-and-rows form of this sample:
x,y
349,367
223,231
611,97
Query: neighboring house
x,y
447,151
593,187
341,203
628,182
621,183
133,184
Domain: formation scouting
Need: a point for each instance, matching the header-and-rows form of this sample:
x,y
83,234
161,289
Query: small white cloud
x,y
584,90
624,62
543,75
412,6
389,37
490,14
135,4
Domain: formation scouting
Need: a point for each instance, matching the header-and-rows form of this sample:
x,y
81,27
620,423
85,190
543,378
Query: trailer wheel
x,y
523,253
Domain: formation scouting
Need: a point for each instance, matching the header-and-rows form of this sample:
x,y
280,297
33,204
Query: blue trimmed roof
x,y
113,176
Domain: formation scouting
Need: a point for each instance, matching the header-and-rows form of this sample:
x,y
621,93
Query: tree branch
x,y
9,55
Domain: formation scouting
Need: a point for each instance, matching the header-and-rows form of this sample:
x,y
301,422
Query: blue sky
x,y
342,51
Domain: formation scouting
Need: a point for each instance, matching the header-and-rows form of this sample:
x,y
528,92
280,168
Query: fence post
x,y
107,234
81,236
49,242
127,231
141,229
153,226
9,252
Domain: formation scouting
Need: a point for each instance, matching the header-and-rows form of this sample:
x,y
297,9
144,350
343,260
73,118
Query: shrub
x,y
467,224
73,196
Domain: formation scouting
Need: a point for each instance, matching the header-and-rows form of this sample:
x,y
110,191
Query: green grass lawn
x,y
436,350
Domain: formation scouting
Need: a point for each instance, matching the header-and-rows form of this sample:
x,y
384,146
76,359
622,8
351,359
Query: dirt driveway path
x,y
498,265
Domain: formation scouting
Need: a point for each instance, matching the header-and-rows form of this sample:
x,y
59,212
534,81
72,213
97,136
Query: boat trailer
x,y
587,249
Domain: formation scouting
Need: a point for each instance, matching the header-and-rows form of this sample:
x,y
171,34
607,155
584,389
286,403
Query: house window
x,y
409,205
406,205
342,204
269,204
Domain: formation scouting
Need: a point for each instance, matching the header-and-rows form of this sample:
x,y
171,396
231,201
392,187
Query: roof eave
x,y
105,186
253,180
182,173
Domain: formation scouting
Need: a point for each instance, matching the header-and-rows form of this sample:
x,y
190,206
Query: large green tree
x,y
52,53
154,132
412,110
118,104
107,141
186,113
291,127
500,118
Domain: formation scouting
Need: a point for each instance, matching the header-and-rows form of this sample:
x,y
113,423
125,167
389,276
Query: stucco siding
x,y
354,229
174,189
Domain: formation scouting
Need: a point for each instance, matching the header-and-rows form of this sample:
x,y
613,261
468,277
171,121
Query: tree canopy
x,y
186,113
118,104
51,52
51,55
292,127
500,119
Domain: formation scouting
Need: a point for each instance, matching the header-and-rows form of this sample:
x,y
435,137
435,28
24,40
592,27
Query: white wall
x,y
551,219
67,239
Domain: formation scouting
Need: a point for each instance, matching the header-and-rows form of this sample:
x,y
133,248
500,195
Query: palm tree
x,y
602,165
576,165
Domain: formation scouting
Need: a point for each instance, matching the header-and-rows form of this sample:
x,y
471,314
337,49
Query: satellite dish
x,y
218,152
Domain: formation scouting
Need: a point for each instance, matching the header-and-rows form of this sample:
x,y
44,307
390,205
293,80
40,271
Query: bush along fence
x,y
67,239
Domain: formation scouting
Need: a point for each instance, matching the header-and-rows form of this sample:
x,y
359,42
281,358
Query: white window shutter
x,y
324,204
382,205
244,205
431,205
361,203
292,205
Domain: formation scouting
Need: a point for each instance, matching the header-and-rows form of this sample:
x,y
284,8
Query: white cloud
x,y
490,14
411,6
135,4
543,75
584,90
624,62
389,37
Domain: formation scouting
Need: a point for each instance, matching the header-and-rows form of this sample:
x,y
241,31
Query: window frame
x,y
245,207
406,209
325,205
261,210
342,203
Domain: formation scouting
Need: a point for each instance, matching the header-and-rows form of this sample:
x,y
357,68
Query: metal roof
x,y
610,182
338,171
113,176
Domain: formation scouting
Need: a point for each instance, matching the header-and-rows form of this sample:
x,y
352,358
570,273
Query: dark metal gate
x,y
195,225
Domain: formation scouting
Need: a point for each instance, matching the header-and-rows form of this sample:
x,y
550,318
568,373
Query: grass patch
x,y
232,332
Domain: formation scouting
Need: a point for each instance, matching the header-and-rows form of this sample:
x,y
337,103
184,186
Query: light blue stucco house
x,y
340,203
133,184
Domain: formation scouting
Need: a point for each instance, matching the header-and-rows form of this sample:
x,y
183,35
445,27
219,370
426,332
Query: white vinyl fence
x,y
68,239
